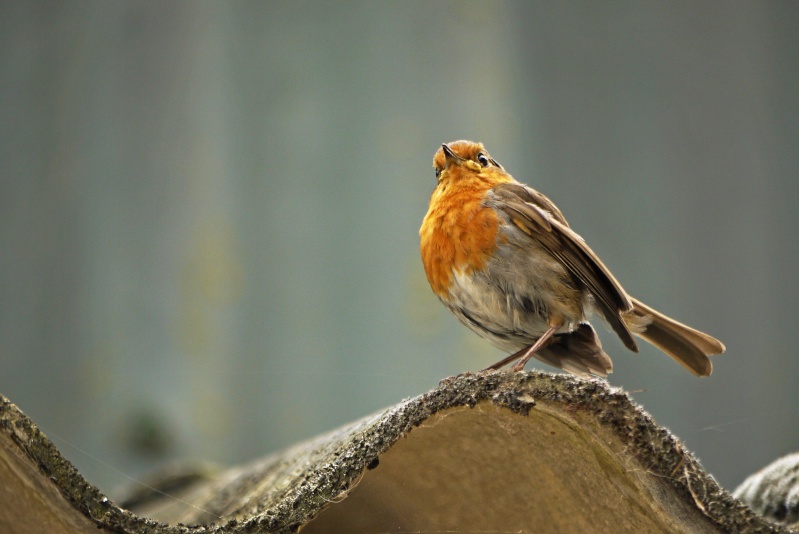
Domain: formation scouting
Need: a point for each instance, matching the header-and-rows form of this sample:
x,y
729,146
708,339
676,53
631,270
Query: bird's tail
x,y
689,347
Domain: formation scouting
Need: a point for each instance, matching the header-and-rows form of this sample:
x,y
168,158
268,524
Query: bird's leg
x,y
512,358
540,342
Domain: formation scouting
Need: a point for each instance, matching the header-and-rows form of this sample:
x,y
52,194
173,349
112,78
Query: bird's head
x,y
458,157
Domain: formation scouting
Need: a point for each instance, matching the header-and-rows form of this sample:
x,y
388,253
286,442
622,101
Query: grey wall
x,y
209,211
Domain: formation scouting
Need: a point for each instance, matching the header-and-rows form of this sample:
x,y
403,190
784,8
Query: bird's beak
x,y
449,154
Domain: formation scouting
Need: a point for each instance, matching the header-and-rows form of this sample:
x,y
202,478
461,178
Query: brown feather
x,y
579,352
689,347
534,219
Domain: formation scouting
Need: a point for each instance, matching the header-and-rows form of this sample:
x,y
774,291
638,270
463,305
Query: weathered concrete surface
x,y
503,452
773,491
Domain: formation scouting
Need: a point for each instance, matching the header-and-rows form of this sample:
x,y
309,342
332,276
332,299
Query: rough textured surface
x,y
499,451
774,491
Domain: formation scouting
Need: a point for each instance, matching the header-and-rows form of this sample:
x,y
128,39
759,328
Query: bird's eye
x,y
482,159
438,172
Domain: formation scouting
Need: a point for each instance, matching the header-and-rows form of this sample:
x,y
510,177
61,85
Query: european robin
x,y
503,259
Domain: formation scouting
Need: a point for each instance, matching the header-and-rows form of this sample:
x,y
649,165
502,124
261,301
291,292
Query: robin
x,y
503,259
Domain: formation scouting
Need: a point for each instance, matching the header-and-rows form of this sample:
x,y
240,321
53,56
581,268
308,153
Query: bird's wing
x,y
536,215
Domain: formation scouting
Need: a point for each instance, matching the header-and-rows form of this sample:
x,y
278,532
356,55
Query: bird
x,y
502,258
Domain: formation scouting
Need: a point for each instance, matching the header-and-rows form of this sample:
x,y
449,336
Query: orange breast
x,y
457,234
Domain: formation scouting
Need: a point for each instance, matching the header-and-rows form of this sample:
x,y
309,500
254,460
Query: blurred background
x,y
209,211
